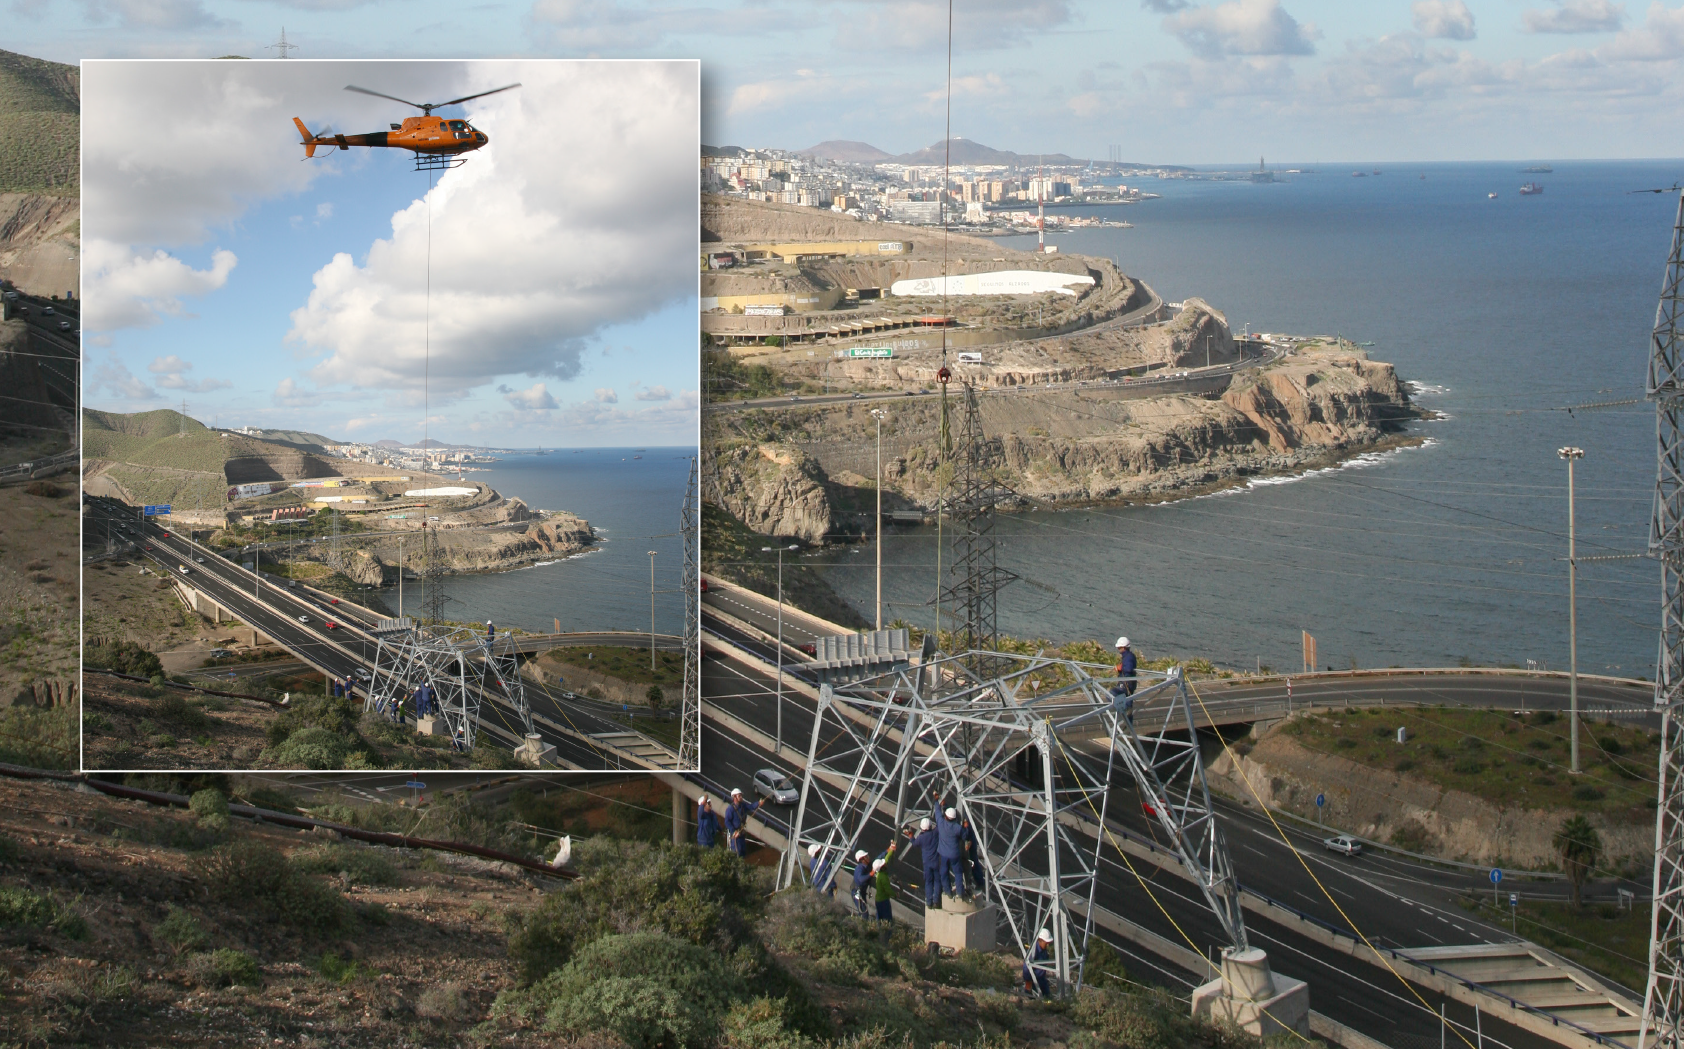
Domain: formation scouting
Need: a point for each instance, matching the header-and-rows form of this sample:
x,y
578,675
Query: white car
x,y
303,619
776,787
1343,843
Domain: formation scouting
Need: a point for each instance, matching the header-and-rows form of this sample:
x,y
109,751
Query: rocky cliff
x,y
784,472
555,535
1376,803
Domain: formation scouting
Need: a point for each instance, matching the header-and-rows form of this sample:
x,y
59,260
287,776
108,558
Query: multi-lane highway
x,y
298,619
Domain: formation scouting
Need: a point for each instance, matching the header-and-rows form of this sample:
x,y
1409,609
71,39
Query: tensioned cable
x,y
1281,833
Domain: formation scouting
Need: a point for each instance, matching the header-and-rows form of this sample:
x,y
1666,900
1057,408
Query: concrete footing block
x,y
1254,999
961,925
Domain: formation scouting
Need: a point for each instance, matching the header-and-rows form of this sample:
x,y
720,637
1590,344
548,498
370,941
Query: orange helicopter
x,y
436,142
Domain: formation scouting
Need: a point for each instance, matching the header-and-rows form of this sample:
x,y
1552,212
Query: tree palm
x,y
1579,846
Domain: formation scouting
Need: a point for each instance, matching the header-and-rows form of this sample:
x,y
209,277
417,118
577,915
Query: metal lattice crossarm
x,y
1027,755
1663,1004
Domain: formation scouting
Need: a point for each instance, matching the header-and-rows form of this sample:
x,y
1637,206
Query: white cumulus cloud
x,y
128,288
171,375
114,377
1659,39
1575,16
605,395
654,393
532,250
1443,19
533,399
1243,27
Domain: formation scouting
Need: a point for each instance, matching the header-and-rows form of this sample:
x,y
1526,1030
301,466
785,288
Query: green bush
x,y
225,967
22,907
844,946
309,748
1469,767
709,898
340,970
259,876
1151,1021
759,1024
179,931
210,806
126,657
444,1002
173,706
650,989
1586,792
363,866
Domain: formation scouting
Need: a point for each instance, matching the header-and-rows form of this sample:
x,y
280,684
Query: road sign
x,y
1496,875
151,511
1321,799
1514,899
415,784
871,351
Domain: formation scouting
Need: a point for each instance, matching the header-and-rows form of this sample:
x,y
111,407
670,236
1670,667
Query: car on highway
x,y
811,648
333,600
199,560
776,787
1343,844
148,546
331,625
63,325
303,619
704,586
857,396
47,311
183,569
166,535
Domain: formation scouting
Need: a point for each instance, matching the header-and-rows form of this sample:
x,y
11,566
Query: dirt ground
x,y
129,600
123,727
38,580
419,966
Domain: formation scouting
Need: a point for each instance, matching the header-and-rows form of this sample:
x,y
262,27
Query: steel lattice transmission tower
x,y
1663,1003
973,598
462,670
1028,756
690,709
433,598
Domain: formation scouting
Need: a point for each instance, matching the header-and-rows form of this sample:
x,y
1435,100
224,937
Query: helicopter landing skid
x,y
434,162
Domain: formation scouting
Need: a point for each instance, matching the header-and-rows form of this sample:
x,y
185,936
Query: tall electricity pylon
x,y
1663,1000
690,708
978,577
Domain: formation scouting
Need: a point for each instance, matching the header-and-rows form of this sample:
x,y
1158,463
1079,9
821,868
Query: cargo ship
x,y
1530,188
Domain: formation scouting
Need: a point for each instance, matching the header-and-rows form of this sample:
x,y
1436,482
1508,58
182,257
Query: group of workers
x,y
734,821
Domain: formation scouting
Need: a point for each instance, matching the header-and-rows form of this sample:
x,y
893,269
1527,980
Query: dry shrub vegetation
x,y
123,924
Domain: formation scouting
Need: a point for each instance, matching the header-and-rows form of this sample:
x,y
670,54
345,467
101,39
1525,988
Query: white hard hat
x,y
1122,642
1045,936
703,800
924,824
951,814
736,791
877,864
862,854
813,850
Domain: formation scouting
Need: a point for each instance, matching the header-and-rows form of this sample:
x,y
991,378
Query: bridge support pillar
x,y
1251,997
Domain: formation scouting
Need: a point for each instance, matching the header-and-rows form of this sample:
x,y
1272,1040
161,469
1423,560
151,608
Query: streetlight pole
x,y
778,740
651,611
879,413
1570,453
400,577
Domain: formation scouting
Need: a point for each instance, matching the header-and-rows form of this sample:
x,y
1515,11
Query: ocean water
x,y
1501,313
634,504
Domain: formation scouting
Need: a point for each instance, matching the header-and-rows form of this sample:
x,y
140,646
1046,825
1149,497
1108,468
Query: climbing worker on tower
x,y
925,842
883,890
950,846
817,868
1034,977
862,878
707,823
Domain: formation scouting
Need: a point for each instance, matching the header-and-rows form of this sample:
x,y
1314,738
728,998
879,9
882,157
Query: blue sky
x,y
558,306
1170,81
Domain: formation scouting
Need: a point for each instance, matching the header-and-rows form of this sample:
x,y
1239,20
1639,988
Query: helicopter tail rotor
x,y
309,139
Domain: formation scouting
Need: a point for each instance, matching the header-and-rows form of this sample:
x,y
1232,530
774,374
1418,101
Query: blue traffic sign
x,y
1321,799
150,511
1496,875
415,784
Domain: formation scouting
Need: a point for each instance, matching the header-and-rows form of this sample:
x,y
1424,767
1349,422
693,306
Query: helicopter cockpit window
x,y
459,127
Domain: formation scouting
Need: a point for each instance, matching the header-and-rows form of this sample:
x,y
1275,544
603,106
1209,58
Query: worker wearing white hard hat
x,y
1034,970
1126,666
817,869
883,889
926,842
950,846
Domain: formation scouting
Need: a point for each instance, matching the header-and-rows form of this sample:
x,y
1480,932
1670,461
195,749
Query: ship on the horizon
x,y
1538,169
540,451
1530,188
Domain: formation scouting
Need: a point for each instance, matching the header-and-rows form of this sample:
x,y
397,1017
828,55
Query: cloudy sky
x,y
1166,80
558,306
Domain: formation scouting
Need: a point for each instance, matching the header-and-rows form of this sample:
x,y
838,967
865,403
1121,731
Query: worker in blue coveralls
x,y
817,868
973,854
950,846
925,842
1035,979
736,821
862,879
707,823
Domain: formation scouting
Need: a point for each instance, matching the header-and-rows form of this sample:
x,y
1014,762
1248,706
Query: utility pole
x,y
400,577
1570,453
778,745
878,414
651,611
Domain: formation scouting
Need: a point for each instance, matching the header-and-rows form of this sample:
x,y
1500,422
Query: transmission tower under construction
x,y
1663,1004
974,595
690,709
433,597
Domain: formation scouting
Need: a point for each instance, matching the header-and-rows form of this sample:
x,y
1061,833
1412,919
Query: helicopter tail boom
x,y
310,141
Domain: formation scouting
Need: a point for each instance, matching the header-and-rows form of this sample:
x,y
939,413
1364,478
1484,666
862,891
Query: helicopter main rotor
x,y
428,107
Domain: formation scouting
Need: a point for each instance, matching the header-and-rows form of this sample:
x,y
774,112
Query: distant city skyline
x,y
1169,81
